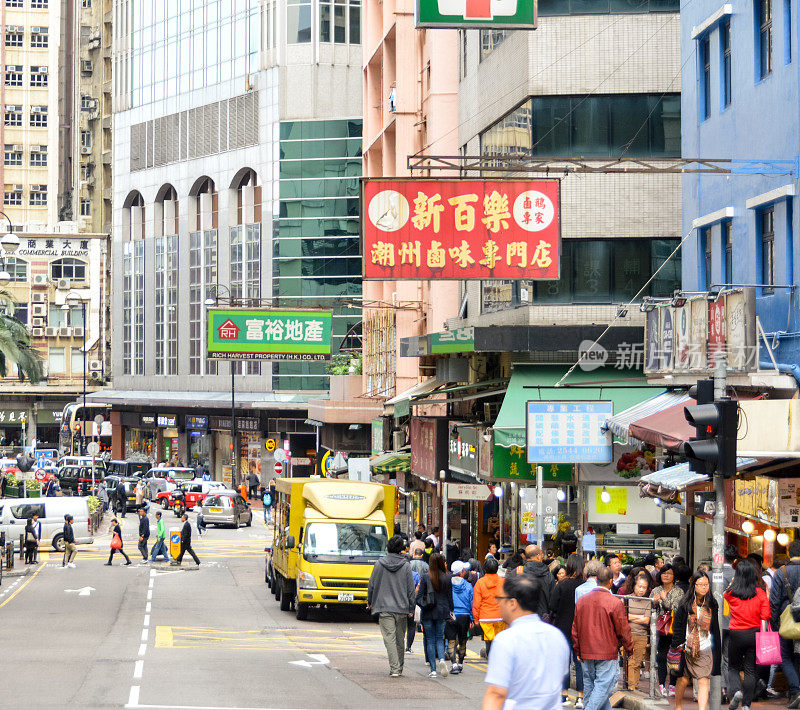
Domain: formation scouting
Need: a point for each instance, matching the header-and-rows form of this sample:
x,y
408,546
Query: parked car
x,y
227,508
188,494
128,468
165,478
15,513
78,479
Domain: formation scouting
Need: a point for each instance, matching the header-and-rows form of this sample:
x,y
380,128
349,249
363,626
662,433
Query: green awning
x,y
391,462
624,388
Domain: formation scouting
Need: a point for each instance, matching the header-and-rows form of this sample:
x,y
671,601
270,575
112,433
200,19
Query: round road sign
x,y
41,474
278,468
93,448
99,419
270,444
280,455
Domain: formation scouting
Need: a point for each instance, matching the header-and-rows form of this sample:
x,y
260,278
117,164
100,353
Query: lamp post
x,y
66,307
209,302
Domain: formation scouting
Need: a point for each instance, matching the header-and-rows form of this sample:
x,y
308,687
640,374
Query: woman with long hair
x,y
635,574
562,614
749,606
435,599
666,596
696,630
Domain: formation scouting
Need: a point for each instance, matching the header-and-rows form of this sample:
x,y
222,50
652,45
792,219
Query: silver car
x,y
226,509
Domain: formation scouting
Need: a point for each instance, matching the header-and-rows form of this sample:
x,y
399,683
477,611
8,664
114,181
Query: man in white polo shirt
x,y
517,674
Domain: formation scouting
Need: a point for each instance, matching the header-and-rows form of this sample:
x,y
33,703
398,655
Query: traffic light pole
x,y
718,528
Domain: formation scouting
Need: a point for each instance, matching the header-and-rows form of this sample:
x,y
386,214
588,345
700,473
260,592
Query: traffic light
x,y
713,450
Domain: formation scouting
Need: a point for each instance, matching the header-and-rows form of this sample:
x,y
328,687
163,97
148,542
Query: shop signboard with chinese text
x,y
242,424
757,498
196,422
690,337
789,502
489,14
509,464
428,457
569,432
167,420
13,416
528,506
463,448
241,334
461,229
377,436
468,491
460,340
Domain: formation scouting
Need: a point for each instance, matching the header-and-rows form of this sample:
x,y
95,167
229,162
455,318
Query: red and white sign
x,y
461,229
278,468
716,330
468,491
41,474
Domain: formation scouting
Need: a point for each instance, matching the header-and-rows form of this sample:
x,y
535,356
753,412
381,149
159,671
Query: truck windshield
x,y
339,542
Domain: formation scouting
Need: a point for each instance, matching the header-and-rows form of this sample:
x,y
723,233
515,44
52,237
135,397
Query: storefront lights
x,y
561,494
769,534
748,527
605,496
783,539
498,491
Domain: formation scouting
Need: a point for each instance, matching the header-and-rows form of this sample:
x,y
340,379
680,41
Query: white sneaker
x,y
579,704
71,564
432,674
441,666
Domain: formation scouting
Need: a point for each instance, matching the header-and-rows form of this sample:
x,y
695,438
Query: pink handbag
x,y
768,646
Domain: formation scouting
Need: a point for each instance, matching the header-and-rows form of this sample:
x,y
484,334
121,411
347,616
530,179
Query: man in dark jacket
x,y
69,543
599,629
390,595
536,569
144,533
121,498
780,596
186,542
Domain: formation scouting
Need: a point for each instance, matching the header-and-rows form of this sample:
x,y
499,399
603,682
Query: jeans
x,y
434,640
159,548
599,681
789,666
578,673
393,630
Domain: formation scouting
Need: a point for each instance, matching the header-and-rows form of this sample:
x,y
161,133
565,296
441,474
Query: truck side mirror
x,y
290,542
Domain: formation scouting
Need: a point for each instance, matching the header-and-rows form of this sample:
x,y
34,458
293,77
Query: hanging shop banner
x,y
240,334
569,432
757,498
492,14
377,436
461,229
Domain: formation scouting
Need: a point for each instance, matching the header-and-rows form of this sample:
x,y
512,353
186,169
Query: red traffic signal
x,y
713,450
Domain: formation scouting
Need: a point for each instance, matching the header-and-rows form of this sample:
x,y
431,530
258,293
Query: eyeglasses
x,y
498,597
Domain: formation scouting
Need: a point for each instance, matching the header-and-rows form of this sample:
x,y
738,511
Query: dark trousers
x,y
661,658
411,632
457,645
254,491
789,666
742,657
187,547
143,548
121,552
30,552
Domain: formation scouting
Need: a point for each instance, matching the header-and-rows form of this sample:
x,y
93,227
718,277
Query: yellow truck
x,y
328,534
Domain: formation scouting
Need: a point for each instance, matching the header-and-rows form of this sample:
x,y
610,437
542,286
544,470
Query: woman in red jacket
x,y
749,606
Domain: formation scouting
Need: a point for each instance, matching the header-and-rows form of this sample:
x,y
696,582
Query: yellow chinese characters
x,y
409,253
464,213
382,254
435,258
495,209
541,257
491,254
427,210
462,255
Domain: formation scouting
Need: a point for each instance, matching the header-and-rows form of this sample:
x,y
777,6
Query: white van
x,y
15,513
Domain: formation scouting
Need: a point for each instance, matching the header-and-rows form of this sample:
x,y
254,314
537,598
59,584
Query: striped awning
x,y
391,462
619,424
680,476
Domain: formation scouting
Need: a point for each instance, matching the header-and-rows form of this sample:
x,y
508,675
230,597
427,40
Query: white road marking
x,y
144,634
146,620
148,607
143,649
149,594
83,591
137,669
133,698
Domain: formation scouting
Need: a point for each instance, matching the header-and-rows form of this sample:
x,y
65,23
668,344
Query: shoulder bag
x,y
789,628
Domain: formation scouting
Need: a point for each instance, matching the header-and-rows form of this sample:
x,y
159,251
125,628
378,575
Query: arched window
x,y
17,268
68,268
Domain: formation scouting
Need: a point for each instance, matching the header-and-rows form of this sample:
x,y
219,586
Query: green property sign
x,y
492,14
510,464
243,334
460,340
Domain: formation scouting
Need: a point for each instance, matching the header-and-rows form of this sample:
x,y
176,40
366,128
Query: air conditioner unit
x,y
37,332
39,310
51,332
18,188
64,332
95,366
86,150
77,331
38,109
38,322
38,188
16,147
64,285
39,280
86,66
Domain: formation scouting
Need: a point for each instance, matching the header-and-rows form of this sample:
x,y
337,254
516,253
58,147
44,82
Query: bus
x,y
78,428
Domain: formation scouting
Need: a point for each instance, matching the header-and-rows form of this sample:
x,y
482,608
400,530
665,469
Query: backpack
x,y
267,499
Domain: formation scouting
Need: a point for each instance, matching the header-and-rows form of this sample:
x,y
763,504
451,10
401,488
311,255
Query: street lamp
x,y
66,307
10,243
209,303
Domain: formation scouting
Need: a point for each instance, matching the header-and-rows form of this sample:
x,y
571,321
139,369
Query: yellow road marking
x,y
163,637
22,586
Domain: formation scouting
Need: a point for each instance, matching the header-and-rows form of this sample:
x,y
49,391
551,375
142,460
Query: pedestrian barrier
x,y
653,641
8,555
95,520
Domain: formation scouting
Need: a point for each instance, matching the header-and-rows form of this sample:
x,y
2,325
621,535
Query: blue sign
x,y
569,432
196,422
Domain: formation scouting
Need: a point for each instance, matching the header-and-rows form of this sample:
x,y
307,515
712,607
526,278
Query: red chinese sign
x,y
461,229
716,330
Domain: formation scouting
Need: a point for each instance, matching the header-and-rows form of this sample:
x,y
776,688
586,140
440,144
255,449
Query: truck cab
x,y
328,535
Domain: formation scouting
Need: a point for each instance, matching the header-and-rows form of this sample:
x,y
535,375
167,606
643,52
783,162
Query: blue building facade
x,y
740,94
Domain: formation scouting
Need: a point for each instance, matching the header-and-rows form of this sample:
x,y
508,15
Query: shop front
x,y
248,433
199,441
141,437
169,448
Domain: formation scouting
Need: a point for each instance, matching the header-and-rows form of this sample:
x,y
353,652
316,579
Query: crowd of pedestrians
x,y
580,616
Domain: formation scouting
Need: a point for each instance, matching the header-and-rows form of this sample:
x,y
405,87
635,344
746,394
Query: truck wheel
x,y
58,543
300,610
285,598
276,585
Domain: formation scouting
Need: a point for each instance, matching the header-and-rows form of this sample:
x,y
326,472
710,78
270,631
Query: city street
x,y
159,637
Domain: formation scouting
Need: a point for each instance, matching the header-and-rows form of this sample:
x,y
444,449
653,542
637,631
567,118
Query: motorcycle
x,y
178,502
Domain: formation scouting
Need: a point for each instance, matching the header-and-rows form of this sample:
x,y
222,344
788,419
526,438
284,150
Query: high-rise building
x,y
237,155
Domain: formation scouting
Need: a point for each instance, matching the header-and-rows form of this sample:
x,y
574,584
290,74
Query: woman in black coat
x,y
435,599
31,542
695,629
562,614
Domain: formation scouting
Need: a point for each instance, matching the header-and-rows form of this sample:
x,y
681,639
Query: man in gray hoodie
x,y
391,595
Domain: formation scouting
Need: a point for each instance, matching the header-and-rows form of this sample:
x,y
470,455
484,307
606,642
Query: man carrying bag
x,y
784,584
